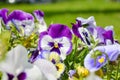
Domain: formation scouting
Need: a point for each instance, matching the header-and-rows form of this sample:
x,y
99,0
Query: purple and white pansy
x,y
41,25
23,21
100,55
58,39
16,67
82,33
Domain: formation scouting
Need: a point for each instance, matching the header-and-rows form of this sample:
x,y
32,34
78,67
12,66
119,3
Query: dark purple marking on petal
x,y
10,76
85,34
51,44
59,30
86,38
53,61
22,76
56,50
34,56
88,41
60,45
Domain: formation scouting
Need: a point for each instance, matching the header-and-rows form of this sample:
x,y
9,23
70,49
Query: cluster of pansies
x,y
31,50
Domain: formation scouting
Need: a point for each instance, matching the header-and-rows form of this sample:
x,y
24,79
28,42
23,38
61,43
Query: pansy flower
x,y
41,25
82,33
22,21
16,67
58,39
100,55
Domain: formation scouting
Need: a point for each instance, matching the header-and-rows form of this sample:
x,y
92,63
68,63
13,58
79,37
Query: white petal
x,y
4,76
66,45
81,30
48,69
109,28
50,77
29,27
45,41
16,60
34,74
41,28
92,76
90,21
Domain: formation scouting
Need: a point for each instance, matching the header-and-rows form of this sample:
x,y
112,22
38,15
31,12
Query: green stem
x,y
108,72
116,76
76,46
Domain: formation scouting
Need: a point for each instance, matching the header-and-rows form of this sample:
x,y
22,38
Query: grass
x,y
105,13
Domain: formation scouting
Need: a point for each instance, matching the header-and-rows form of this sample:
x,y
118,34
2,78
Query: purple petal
x,y
75,29
10,76
43,34
20,16
108,35
113,55
3,15
71,73
39,16
22,76
112,51
91,30
59,30
100,31
38,13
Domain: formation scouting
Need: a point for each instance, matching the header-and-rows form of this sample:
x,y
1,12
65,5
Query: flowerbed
x,y
31,51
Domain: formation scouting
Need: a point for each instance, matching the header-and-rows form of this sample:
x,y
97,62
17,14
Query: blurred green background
x,y
106,12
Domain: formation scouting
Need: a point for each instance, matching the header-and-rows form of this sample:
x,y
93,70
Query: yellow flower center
x,y
56,44
60,67
82,71
54,56
101,60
